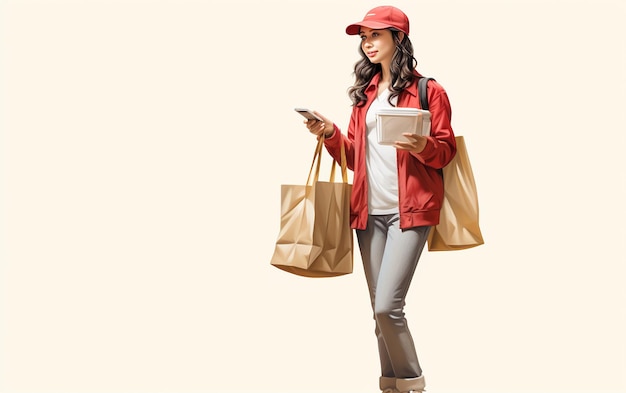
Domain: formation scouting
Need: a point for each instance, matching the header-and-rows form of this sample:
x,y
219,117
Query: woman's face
x,y
377,45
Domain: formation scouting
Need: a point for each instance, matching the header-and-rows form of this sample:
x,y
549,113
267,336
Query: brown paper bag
x,y
458,227
315,238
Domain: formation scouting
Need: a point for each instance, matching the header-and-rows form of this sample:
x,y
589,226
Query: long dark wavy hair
x,y
402,70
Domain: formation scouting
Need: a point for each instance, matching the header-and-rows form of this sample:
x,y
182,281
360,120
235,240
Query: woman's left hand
x,y
415,144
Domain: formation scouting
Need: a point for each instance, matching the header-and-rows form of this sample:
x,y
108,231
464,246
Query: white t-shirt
x,y
382,167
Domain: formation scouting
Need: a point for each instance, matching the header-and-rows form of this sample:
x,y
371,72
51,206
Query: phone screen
x,y
307,114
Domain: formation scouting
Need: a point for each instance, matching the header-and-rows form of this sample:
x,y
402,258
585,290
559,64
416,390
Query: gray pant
x,y
390,256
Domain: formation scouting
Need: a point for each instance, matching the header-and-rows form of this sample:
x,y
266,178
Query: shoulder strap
x,y
422,90
422,87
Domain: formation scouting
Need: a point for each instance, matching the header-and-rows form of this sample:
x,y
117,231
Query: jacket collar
x,y
373,85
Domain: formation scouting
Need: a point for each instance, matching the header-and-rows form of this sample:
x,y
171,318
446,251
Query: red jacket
x,y
420,184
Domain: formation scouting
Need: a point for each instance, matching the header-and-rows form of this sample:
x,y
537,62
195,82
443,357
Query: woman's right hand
x,y
316,127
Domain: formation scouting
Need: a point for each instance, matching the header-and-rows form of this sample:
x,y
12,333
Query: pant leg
x,y
372,246
390,256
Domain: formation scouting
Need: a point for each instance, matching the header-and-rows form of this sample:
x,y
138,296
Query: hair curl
x,y
402,70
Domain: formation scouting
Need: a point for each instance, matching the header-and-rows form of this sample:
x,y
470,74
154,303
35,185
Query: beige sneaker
x,y
411,385
388,385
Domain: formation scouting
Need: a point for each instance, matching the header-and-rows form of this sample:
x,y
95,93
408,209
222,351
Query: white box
x,y
391,123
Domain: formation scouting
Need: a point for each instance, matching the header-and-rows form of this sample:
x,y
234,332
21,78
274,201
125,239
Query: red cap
x,y
382,18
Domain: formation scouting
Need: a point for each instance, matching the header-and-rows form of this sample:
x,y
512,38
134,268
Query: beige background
x,y
144,144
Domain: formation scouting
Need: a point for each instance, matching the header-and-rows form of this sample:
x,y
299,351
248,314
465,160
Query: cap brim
x,y
355,28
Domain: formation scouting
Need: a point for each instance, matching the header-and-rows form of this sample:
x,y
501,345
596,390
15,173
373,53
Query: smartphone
x,y
307,113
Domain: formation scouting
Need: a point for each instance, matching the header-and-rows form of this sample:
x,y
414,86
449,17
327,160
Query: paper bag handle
x,y
317,159
344,166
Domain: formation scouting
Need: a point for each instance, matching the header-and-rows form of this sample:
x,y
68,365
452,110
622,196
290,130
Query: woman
x,y
397,189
